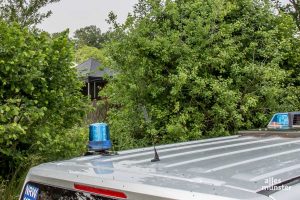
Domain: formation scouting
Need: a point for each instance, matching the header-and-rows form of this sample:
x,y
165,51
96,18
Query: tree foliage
x,y
90,36
40,98
85,52
201,68
293,8
25,12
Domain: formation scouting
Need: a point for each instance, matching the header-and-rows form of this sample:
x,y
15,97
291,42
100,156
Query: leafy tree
x,y
25,12
40,98
291,7
293,63
85,52
201,68
90,36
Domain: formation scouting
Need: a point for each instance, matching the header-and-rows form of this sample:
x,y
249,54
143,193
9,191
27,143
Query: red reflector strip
x,y
105,192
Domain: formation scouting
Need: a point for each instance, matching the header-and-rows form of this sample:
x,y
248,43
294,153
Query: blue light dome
x,y
99,137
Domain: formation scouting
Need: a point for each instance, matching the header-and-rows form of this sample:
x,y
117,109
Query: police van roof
x,y
232,167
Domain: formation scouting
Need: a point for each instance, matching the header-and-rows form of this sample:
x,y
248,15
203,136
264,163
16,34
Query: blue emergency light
x,y
99,137
279,121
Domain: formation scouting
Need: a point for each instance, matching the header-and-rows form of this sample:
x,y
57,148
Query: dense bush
x,y
40,99
201,68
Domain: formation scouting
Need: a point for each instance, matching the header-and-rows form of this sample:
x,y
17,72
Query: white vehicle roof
x,y
223,168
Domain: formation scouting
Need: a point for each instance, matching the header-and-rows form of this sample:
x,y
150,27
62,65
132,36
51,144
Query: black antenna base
x,y
156,157
101,152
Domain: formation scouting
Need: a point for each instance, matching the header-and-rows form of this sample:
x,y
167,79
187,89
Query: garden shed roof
x,y
91,68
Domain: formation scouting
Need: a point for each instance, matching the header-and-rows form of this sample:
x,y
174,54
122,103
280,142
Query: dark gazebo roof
x,y
90,69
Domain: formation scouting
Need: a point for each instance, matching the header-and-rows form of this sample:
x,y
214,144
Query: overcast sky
x,y
75,14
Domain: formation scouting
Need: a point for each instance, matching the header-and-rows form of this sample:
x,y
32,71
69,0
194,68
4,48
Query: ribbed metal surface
x,y
223,166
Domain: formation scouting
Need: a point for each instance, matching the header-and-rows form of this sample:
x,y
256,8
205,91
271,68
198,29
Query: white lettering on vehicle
x,y
31,192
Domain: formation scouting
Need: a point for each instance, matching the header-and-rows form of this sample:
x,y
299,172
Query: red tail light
x,y
101,191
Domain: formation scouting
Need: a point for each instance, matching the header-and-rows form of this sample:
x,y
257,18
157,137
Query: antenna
x,y
156,157
148,121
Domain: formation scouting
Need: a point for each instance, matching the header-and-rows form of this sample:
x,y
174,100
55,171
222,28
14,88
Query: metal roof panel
x,y
233,167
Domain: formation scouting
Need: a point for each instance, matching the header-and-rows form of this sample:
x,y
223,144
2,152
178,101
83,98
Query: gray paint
x,y
221,169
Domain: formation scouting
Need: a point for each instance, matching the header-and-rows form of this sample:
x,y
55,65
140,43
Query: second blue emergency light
x,y
99,137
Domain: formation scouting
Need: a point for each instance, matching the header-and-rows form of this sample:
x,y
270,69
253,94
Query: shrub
x,y
201,68
40,98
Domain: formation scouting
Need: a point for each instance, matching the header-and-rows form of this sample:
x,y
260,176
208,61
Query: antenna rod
x,y
148,121
156,157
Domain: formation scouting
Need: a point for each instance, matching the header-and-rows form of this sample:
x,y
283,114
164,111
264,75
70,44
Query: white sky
x,y
75,14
